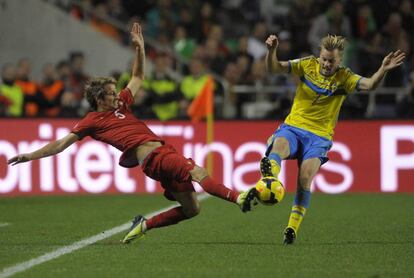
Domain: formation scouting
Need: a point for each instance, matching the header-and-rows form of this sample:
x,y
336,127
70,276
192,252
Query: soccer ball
x,y
270,191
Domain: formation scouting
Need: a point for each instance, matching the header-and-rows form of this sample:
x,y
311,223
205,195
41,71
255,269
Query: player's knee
x,y
198,173
281,147
305,182
192,210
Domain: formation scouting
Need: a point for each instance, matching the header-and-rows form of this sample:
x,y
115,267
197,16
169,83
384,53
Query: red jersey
x,y
118,128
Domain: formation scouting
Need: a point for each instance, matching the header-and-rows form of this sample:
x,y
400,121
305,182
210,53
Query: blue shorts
x,y
303,144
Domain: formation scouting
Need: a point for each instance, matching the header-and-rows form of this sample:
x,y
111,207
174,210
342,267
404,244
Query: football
x,y
270,191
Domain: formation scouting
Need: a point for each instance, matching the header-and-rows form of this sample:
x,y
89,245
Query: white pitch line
x,y
4,224
9,271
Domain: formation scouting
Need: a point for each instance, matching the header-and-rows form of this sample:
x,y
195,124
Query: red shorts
x,y
172,169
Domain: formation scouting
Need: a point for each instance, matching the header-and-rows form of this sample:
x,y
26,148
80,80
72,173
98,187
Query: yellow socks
x,y
296,216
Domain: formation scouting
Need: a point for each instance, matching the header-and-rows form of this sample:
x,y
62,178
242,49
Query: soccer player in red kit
x,y
112,122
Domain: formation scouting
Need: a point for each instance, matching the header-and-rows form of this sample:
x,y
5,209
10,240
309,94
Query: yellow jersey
x,y
318,98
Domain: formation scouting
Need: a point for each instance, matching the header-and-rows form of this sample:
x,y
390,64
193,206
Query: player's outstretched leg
x,y
243,199
183,169
189,208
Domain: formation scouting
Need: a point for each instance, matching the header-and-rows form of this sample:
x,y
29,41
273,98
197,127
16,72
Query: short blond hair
x,y
332,42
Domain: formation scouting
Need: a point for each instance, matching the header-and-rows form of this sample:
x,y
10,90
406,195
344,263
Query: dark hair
x,y
75,54
61,64
95,89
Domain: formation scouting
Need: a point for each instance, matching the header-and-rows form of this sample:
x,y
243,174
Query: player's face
x,y
329,61
110,99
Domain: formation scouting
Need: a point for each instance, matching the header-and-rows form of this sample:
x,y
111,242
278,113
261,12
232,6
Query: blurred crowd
x,y
191,41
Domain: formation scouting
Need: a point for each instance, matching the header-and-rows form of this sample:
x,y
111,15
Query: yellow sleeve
x,y
351,81
297,66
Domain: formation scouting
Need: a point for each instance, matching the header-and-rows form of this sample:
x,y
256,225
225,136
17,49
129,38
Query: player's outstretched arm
x,y
139,62
273,65
48,150
391,61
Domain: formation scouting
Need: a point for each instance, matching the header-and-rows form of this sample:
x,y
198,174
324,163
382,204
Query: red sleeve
x,y
126,96
83,127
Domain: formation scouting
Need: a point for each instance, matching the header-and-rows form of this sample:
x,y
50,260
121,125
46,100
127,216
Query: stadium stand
x,y
228,36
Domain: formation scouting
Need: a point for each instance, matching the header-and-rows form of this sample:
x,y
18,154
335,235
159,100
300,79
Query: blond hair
x,y
332,42
95,89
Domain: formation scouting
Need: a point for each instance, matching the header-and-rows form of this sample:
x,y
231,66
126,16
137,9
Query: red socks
x,y
218,190
175,215
166,218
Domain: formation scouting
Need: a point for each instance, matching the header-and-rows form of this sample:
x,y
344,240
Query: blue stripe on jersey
x,y
289,67
316,88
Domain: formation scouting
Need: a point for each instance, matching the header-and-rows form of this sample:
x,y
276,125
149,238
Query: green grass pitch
x,y
350,235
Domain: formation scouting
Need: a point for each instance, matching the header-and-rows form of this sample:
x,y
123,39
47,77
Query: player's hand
x,y
393,60
272,42
136,35
19,159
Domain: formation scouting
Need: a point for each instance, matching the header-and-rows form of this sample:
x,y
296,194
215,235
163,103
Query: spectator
x,y
215,59
161,89
161,16
5,102
124,78
285,50
81,10
32,98
405,105
255,45
205,19
365,22
407,16
51,89
11,92
395,38
183,45
300,15
63,72
192,84
243,63
258,73
99,21
116,10
333,21
232,75
371,53
186,21
77,80
216,33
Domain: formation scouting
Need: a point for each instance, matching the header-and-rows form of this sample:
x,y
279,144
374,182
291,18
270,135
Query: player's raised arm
x,y
50,149
391,61
273,65
139,61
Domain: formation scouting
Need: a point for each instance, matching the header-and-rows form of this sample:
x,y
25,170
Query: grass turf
x,y
362,235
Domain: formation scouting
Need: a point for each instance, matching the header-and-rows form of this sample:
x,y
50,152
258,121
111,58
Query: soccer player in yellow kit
x,y
306,134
